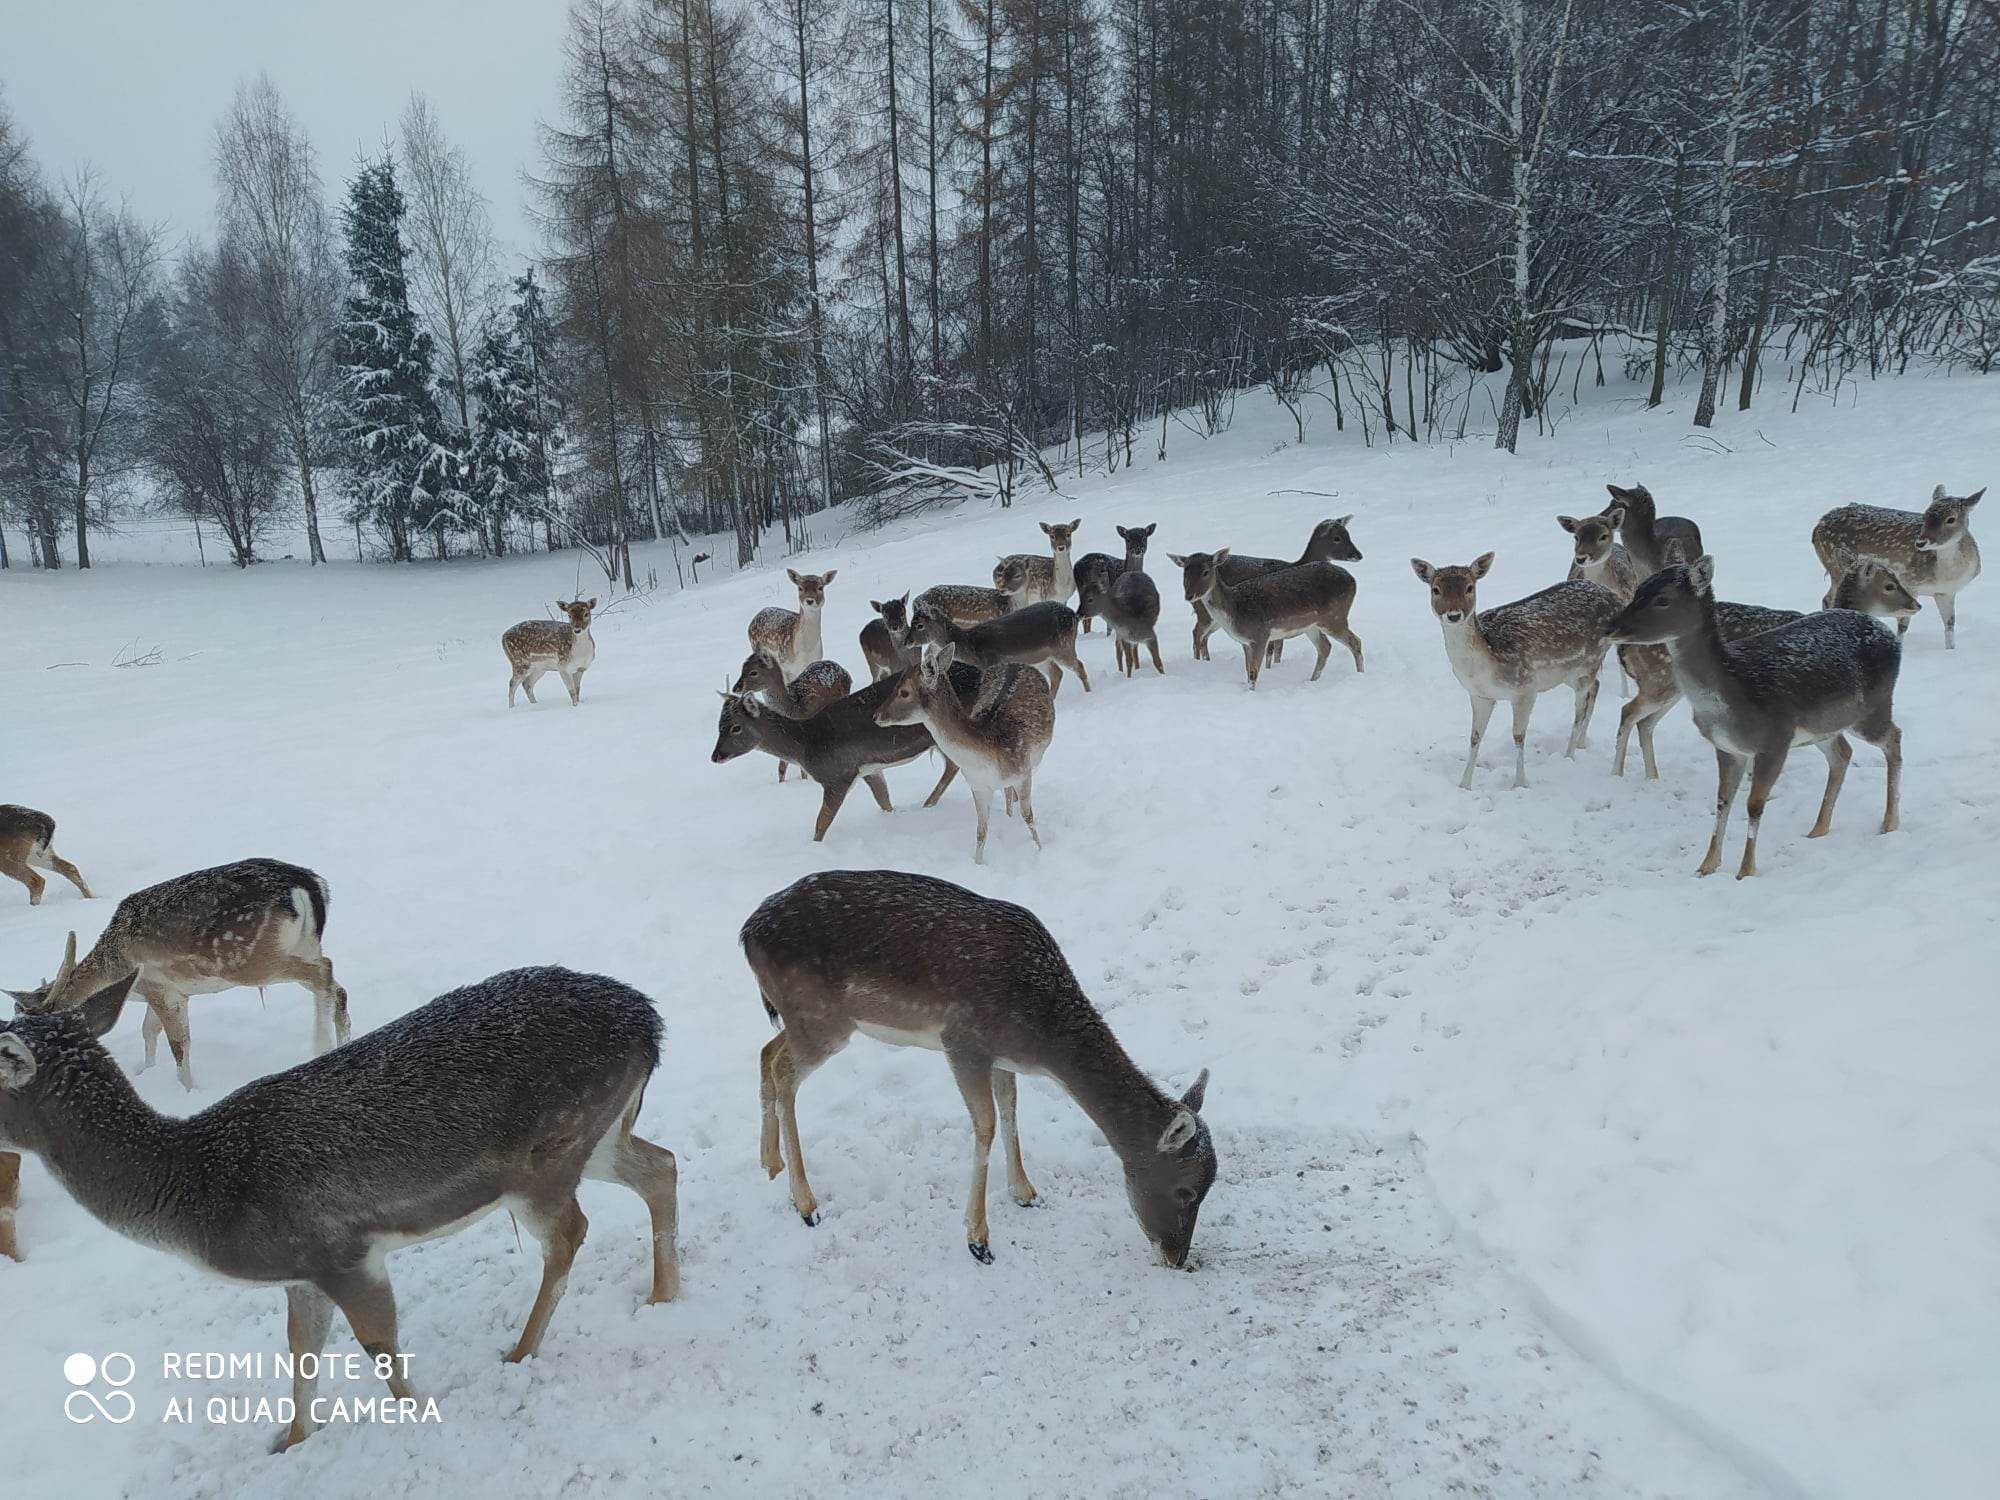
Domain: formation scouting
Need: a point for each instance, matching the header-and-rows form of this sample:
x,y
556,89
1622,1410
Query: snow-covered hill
x,y
1546,1168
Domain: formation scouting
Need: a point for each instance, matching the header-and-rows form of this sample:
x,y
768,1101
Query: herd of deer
x,y
510,1092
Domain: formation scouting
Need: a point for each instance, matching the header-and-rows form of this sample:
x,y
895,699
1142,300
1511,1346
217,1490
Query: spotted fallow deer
x,y
1519,651
1329,542
1599,557
537,647
27,842
256,922
793,636
1811,682
1312,598
1930,551
819,685
506,1093
1043,580
917,962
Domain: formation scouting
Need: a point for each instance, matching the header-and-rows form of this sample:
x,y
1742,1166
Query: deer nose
x,y
1453,616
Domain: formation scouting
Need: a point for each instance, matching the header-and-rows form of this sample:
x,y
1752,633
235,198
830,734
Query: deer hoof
x,y
979,1252
810,1218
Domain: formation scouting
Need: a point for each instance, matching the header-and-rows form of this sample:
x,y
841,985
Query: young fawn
x,y
882,638
1102,568
1810,682
997,741
1931,551
1043,580
1867,586
964,604
792,636
1519,651
917,962
1307,598
537,647
1329,542
1599,558
27,841
1034,635
836,747
1652,539
821,684
507,1092
256,922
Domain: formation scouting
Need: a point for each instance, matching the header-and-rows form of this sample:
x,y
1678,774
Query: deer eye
x,y
1186,1194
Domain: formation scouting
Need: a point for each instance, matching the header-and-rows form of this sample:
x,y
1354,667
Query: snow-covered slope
x,y
1546,1168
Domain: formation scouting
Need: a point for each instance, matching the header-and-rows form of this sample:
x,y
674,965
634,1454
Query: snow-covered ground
x,y
1546,1168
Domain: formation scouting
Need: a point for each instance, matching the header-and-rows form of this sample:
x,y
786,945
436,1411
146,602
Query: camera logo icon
x,y
84,1403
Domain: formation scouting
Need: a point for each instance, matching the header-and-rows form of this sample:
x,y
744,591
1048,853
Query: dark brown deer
x,y
1130,605
793,636
256,922
27,842
1931,551
1305,599
1103,568
917,962
882,638
1329,542
1653,540
1034,635
537,647
505,1093
1810,682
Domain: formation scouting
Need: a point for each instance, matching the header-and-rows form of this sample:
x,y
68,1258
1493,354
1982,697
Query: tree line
x,y
796,252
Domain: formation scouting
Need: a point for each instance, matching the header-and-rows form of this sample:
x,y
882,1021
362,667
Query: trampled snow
x,y
1547,1168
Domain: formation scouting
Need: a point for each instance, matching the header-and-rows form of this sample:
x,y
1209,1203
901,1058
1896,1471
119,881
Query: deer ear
x,y
1197,1091
1344,521
1701,573
945,655
1482,564
1422,569
829,576
793,574
1047,530
1973,499
68,963
17,1063
100,1012
1178,559
1937,493
1221,555
1181,1129
1151,527
906,596
1076,523
1568,523
590,604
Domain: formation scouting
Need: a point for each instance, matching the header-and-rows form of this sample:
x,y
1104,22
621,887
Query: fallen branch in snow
x,y
150,659
52,666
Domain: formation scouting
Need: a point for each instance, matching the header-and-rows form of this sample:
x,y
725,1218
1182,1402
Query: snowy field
x,y
1546,1168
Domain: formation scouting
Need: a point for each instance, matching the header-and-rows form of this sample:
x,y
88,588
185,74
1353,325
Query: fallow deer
x,y
1312,598
1034,635
256,922
917,962
997,741
882,637
537,647
504,1093
1329,542
1044,580
1102,567
822,683
1130,605
27,842
963,604
793,636
1519,651
1652,539
1810,682
1931,551
1599,557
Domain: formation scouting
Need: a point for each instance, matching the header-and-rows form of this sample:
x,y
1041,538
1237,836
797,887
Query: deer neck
x,y
1122,1102
1697,652
1063,577
1466,646
107,963
779,734
125,1163
806,641
950,724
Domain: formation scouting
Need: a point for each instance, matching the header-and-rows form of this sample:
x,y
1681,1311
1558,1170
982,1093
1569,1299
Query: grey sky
x,y
135,88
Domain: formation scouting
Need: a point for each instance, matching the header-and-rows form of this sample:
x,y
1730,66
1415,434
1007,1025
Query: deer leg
x,y
18,868
308,1316
1027,800
1323,647
50,860
1764,772
652,1173
329,999
169,1010
788,1071
1274,652
1482,712
1253,661
1023,1191
982,807
1055,676
369,1305
1585,693
10,1199
1075,664
576,685
832,794
516,680
561,1234
1153,645
880,788
1353,643
528,679
1524,709
1947,608
767,1099
975,1082
1889,740
950,770
1639,712
1838,753
1728,777
1202,630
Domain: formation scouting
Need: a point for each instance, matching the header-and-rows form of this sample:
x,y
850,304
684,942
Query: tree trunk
x,y
1663,321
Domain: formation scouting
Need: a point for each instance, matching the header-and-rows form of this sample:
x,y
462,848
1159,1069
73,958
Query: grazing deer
x,y
964,604
917,962
1043,580
997,740
882,638
1307,598
1034,635
1329,542
1653,540
507,1092
792,636
1130,604
820,684
836,747
27,839
256,922
1519,651
1103,568
1810,682
1599,558
1931,551
537,647
1868,587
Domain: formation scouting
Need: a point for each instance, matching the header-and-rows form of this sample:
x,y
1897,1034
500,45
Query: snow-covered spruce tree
x,y
399,467
513,440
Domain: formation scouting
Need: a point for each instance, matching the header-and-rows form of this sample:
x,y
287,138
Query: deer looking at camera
x,y
918,962
1930,551
793,636
1102,569
1040,580
28,843
1599,557
882,638
537,647
508,1093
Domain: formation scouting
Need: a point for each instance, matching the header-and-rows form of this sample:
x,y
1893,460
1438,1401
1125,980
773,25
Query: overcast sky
x,y
135,88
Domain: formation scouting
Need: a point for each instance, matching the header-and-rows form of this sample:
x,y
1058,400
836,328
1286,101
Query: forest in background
x,y
799,252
